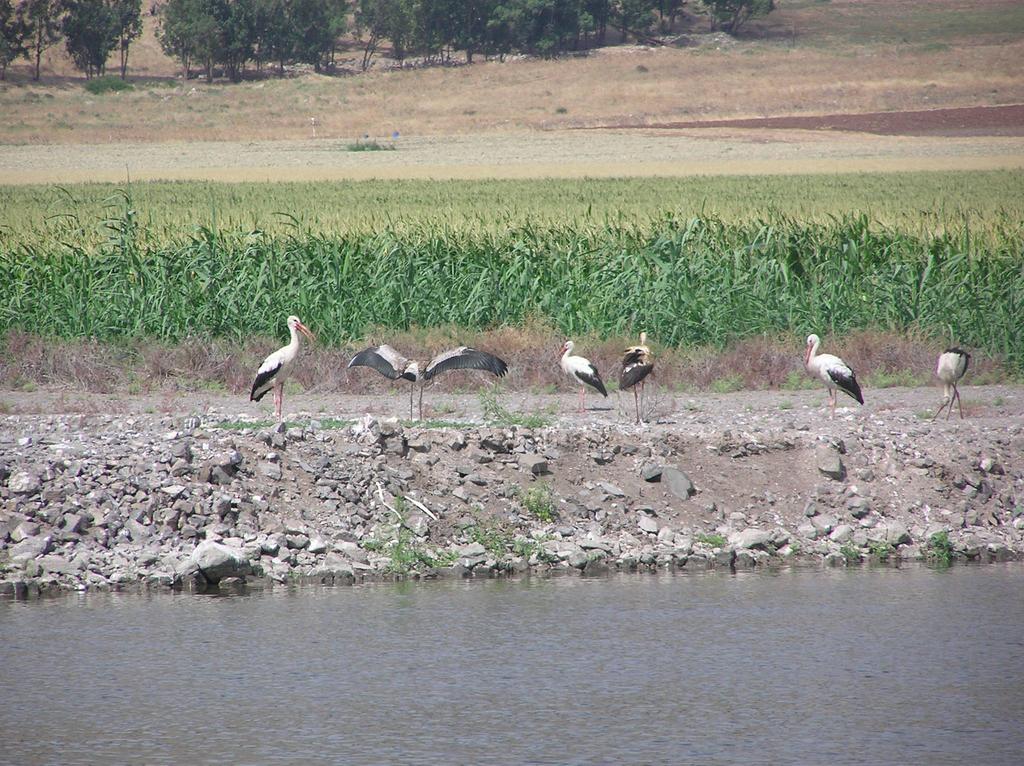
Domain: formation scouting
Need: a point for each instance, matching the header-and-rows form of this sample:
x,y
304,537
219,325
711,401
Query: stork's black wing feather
x,y
465,358
633,374
260,385
847,383
383,359
593,379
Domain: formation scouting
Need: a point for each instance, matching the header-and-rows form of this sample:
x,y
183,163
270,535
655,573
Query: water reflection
x,y
860,666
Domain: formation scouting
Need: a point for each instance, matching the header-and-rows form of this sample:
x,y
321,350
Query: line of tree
x,y
91,30
234,34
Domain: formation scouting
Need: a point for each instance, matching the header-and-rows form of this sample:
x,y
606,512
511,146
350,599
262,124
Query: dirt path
x,y
1005,120
671,412
643,152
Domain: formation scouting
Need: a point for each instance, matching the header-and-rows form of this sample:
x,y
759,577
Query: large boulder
x,y
750,538
679,483
216,561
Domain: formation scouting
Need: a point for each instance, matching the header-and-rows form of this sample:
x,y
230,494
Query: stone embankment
x,y
128,501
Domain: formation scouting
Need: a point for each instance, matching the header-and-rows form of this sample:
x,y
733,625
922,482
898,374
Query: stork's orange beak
x,y
305,331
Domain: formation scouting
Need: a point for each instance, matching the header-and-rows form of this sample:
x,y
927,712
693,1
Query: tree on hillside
x,y
12,36
316,26
378,20
188,31
730,15
635,17
274,40
89,35
127,27
42,21
235,35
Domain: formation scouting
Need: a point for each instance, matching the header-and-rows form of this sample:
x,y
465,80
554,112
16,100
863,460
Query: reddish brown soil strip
x,y
967,121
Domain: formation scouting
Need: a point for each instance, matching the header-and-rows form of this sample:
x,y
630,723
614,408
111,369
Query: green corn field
x,y
690,280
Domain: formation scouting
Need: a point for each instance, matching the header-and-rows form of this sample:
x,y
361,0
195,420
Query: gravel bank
x,y
119,497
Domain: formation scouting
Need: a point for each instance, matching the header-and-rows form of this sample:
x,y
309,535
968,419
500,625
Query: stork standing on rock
x,y
833,372
952,366
278,366
637,364
393,365
581,370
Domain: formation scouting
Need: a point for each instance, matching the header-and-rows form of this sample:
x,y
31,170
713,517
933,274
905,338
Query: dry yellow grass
x,y
809,58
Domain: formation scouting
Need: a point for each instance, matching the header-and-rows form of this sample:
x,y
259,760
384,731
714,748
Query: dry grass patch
x,y
767,363
808,58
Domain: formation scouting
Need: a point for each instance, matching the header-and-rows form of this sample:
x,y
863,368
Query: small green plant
x,y
434,423
714,540
100,85
538,502
727,385
881,550
998,401
798,380
905,378
369,145
851,553
494,536
406,554
561,110
786,405
940,549
495,413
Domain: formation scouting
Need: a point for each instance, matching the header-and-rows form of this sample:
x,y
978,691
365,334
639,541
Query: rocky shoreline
x,y
197,501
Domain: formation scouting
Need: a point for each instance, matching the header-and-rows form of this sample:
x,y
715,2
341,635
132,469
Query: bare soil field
x,y
964,121
546,154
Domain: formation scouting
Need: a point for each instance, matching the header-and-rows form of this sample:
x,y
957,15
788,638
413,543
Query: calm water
x,y
881,667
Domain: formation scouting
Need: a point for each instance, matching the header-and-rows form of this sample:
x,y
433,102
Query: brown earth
x,y
966,121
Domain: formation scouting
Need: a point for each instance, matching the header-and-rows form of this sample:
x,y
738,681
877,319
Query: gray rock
x,y
173,490
647,523
317,545
74,522
24,530
335,570
297,542
417,523
651,472
829,463
612,489
842,533
30,548
824,523
216,561
24,483
679,483
472,550
750,538
859,507
535,464
270,470
58,565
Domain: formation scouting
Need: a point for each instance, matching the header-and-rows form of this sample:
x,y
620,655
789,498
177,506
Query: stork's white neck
x,y
812,350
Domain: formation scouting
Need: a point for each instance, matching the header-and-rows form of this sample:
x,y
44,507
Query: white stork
x,y
952,366
637,364
581,370
393,365
833,372
276,367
